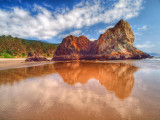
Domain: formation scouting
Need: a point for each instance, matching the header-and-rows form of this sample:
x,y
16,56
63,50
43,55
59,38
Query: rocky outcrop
x,y
34,56
116,43
72,48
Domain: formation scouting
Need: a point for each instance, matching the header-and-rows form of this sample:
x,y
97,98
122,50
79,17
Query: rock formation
x,y
116,43
34,56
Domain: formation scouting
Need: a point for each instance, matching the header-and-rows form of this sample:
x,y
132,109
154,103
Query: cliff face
x,y
115,43
73,47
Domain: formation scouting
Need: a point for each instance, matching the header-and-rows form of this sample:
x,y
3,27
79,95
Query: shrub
x,y
23,55
9,52
6,55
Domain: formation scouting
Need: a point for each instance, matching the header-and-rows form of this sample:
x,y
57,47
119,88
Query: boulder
x,y
34,56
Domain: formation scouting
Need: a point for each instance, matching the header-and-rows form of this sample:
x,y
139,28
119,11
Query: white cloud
x,y
75,33
137,33
44,25
143,27
92,39
103,30
48,6
145,45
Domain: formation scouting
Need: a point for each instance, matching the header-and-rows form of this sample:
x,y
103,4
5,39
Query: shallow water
x,y
81,91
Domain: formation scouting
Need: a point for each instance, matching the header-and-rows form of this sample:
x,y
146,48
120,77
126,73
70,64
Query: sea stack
x,y
114,44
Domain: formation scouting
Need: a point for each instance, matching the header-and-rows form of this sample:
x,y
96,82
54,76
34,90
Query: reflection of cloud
x,y
51,93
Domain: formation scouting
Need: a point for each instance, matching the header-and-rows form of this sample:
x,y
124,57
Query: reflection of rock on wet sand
x,y
15,75
116,77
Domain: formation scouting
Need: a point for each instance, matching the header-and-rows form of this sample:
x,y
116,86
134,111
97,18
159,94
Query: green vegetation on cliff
x,y
11,47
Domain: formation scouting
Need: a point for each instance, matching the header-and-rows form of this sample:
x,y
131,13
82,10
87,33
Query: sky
x,y
52,20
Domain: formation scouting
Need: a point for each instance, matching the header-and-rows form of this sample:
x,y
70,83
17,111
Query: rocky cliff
x,y
115,43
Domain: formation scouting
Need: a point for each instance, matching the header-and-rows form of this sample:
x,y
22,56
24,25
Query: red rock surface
x,y
115,43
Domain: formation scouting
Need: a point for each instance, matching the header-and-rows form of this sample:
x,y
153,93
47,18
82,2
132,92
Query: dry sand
x,y
9,63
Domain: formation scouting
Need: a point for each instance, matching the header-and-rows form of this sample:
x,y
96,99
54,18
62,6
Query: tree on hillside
x,y
17,47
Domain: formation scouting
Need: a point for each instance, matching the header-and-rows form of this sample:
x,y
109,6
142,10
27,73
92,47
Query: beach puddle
x,y
80,91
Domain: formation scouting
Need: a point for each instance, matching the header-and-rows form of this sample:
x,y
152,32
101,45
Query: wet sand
x,y
81,91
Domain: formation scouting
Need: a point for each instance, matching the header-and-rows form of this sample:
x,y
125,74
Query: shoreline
x,y
11,63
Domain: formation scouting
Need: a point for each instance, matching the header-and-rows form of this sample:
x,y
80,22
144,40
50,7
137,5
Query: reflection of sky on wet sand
x,y
53,96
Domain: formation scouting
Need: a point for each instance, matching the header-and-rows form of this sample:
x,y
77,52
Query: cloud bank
x,y
47,24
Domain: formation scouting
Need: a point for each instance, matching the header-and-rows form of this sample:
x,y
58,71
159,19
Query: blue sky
x,y
52,20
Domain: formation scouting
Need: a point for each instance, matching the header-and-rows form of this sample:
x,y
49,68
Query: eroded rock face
x,y
34,56
73,48
116,43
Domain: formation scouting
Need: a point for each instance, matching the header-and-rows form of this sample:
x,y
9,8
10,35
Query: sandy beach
x,y
9,63
117,89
